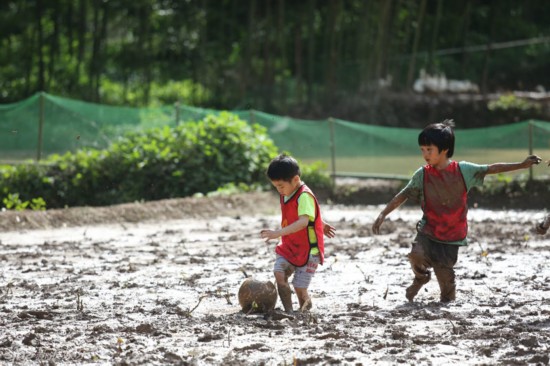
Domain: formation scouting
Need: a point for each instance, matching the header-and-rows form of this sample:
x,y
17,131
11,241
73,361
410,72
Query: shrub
x,y
511,102
196,157
316,177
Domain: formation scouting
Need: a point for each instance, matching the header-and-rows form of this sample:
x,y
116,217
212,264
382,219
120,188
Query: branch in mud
x,y
228,338
244,272
367,279
455,329
79,303
187,313
335,260
485,254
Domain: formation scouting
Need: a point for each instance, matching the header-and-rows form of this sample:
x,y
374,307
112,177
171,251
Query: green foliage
x,y
315,176
232,188
509,101
152,164
13,202
185,92
235,54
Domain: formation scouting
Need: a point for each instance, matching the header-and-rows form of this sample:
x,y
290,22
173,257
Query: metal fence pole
x,y
531,148
40,125
332,149
177,107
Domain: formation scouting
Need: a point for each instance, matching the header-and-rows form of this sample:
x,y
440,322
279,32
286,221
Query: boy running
x,y
441,187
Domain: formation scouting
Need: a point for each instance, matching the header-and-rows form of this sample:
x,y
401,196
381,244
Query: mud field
x,y
157,284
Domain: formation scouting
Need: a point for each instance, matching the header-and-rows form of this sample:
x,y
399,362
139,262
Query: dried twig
x,y
79,302
228,338
455,329
485,254
367,279
188,313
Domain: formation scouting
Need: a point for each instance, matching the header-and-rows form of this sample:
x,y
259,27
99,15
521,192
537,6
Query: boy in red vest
x,y
301,248
441,187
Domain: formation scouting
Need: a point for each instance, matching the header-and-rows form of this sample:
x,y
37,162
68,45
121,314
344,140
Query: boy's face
x,y
433,156
286,188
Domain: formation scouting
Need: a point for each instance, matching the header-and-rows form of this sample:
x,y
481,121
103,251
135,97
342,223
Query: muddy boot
x,y
417,284
286,297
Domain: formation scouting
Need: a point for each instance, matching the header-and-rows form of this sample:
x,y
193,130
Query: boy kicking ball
x,y
441,187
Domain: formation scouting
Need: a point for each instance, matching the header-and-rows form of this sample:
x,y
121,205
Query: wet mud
x,y
166,292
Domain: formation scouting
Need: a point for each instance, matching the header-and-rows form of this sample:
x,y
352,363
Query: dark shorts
x,y
430,253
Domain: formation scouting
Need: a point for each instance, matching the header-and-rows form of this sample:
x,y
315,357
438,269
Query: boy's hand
x,y
377,224
531,160
329,230
269,235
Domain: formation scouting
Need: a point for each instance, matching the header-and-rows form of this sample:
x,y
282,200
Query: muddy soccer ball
x,y
256,296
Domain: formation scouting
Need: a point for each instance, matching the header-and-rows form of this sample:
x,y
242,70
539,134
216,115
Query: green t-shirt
x,y
473,175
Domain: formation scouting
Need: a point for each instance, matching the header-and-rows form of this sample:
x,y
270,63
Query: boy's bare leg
x,y
419,265
303,299
421,277
285,294
446,278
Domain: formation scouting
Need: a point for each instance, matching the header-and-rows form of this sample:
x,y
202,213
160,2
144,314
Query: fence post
x,y
332,149
177,107
531,148
40,125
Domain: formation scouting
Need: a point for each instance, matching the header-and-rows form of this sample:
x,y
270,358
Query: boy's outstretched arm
x,y
508,167
329,230
396,201
297,225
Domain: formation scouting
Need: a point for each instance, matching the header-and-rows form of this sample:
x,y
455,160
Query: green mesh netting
x,y
345,147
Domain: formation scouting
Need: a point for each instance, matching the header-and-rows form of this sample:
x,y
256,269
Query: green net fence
x,y
46,124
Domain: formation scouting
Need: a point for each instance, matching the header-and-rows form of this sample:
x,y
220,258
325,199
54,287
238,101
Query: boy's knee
x,y
281,278
417,259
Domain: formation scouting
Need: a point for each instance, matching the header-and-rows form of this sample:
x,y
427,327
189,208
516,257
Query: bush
x,y
196,157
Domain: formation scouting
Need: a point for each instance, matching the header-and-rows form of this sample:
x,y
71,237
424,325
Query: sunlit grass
x,y
405,166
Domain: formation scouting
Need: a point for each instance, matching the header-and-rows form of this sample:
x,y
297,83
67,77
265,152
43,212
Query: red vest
x,y
445,203
295,247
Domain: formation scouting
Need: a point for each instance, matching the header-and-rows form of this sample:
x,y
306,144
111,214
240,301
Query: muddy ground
x,y
156,283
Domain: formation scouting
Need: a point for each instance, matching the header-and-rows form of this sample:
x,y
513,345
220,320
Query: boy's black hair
x,y
283,167
441,135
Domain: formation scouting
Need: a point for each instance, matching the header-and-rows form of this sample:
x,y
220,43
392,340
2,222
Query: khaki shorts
x,y
302,275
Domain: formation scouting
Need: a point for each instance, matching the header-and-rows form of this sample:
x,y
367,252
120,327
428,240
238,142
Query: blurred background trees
x,y
308,58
